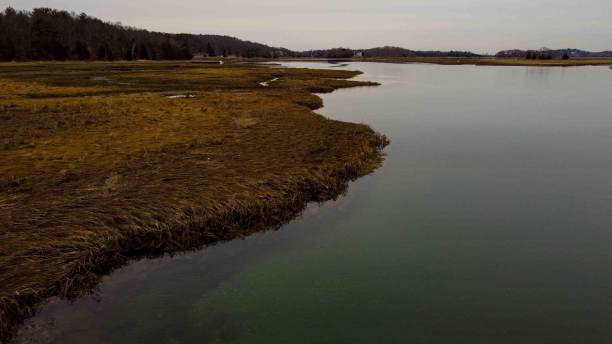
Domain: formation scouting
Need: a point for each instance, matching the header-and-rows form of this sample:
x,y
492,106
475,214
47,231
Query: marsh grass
x,y
95,173
245,122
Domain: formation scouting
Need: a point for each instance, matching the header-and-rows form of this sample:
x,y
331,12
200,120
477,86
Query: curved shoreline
x,y
146,205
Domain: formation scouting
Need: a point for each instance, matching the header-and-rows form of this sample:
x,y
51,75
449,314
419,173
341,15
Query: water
x,y
490,222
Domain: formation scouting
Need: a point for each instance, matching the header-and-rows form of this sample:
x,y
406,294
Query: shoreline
x,y
479,61
109,174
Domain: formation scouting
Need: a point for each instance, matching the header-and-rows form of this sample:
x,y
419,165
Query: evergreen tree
x,y
48,34
210,51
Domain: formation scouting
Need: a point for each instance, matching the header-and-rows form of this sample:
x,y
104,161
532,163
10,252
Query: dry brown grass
x,y
98,166
245,122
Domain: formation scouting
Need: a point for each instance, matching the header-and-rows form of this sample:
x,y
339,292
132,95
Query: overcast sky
x,y
477,25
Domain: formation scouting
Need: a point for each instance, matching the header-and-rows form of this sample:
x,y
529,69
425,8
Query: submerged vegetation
x,y
104,162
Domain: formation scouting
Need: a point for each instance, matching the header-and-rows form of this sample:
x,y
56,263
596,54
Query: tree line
x,y
549,54
49,34
383,52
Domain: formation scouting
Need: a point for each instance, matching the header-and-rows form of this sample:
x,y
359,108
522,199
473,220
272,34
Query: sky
x,y
483,26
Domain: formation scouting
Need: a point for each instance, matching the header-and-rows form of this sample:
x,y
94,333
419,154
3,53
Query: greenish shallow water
x,y
490,222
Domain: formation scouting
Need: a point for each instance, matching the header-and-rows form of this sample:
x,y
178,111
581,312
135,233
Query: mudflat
x,y
108,161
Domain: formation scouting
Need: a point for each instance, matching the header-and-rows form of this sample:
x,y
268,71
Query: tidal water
x,y
490,222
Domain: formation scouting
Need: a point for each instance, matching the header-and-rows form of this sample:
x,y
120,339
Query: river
x,y
490,222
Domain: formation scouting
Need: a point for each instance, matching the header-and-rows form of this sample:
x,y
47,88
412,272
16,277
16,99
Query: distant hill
x,y
48,34
227,45
383,52
401,52
556,53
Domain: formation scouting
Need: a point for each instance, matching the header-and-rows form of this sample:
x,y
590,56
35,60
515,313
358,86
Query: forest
x,y
49,34
548,54
386,51
46,34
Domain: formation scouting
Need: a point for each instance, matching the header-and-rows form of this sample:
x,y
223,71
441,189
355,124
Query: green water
x,y
490,222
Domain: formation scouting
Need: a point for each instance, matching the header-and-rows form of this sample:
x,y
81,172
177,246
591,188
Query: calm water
x,y
490,222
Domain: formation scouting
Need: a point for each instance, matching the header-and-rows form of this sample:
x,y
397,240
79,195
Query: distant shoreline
x,y
477,61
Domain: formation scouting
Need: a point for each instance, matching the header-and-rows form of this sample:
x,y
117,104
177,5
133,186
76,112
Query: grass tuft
x,y
245,122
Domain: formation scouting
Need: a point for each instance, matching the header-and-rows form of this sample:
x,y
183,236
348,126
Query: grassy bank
x,y
104,162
